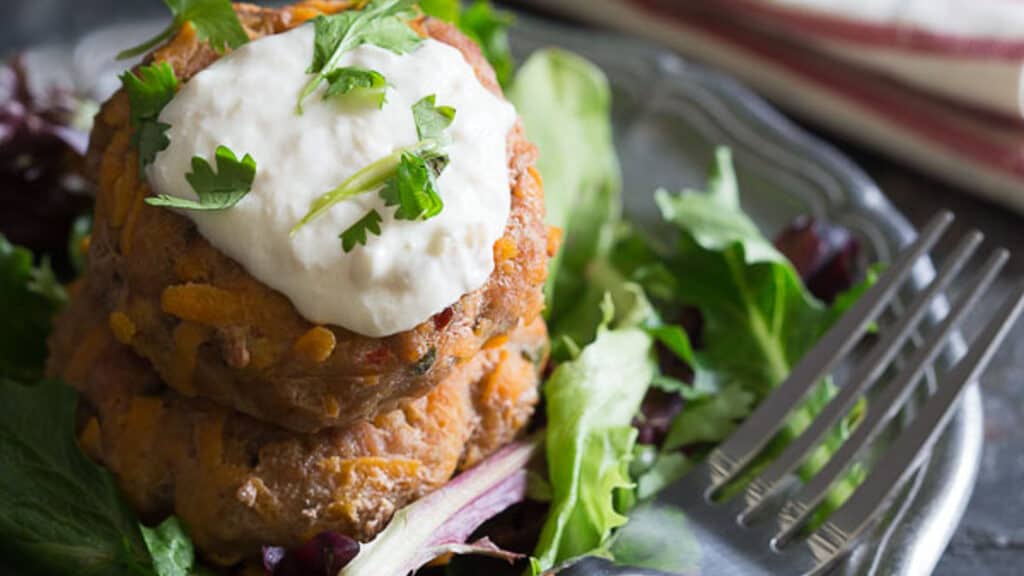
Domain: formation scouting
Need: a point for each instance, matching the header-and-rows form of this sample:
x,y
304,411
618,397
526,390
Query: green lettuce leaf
x,y
489,28
31,296
484,25
658,538
591,402
170,548
59,512
565,105
758,321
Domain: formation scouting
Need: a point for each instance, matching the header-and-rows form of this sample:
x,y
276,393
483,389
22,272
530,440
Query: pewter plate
x,y
668,116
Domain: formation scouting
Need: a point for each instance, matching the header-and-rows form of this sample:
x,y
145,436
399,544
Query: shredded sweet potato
x,y
316,345
188,337
204,304
122,327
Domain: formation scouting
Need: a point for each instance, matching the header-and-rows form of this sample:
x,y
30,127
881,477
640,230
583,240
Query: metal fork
x,y
751,530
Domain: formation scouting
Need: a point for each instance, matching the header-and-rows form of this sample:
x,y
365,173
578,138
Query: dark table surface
x,y
990,540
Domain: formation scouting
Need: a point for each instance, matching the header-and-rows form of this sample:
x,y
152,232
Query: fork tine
x,y
729,458
848,524
867,373
883,408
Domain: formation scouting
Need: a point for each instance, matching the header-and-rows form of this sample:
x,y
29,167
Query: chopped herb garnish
x,y
431,120
148,93
405,178
357,83
215,22
381,23
413,190
216,191
357,233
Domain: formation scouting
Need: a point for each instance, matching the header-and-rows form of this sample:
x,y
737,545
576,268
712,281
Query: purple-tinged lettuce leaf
x,y
441,522
325,553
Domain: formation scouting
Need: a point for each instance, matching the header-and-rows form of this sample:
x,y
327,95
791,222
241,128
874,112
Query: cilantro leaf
x,y
59,512
431,120
216,191
150,138
357,233
405,178
31,296
150,90
148,93
380,22
413,190
357,81
215,22
391,34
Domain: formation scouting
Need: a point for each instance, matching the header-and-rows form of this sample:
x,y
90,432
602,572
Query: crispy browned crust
x,y
213,331
240,484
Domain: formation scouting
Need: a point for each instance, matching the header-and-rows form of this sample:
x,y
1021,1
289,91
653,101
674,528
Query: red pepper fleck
x,y
378,356
442,318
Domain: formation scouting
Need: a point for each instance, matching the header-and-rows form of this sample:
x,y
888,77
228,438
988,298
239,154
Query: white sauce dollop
x,y
246,101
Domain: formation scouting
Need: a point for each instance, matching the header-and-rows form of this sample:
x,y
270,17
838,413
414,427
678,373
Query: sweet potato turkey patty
x,y
211,330
240,484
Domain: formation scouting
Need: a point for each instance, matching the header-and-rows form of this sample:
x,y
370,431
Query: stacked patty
x,y
210,397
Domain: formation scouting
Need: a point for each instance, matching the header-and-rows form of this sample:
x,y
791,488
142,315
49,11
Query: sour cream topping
x,y
246,101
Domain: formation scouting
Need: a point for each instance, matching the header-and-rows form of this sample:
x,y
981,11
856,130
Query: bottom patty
x,y
240,484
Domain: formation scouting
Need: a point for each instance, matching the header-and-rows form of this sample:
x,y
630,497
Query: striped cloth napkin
x,y
936,83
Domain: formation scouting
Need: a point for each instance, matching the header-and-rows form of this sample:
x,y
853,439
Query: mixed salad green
x,y
660,347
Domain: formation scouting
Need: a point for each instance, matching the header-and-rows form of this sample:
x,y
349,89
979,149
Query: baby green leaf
x,y
357,82
489,28
591,402
357,233
447,10
215,22
31,296
216,191
171,548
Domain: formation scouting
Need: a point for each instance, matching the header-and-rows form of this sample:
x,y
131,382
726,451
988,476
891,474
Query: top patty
x,y
212,330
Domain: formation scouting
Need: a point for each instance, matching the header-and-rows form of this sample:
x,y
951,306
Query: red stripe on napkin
x,y
996,144
907,38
